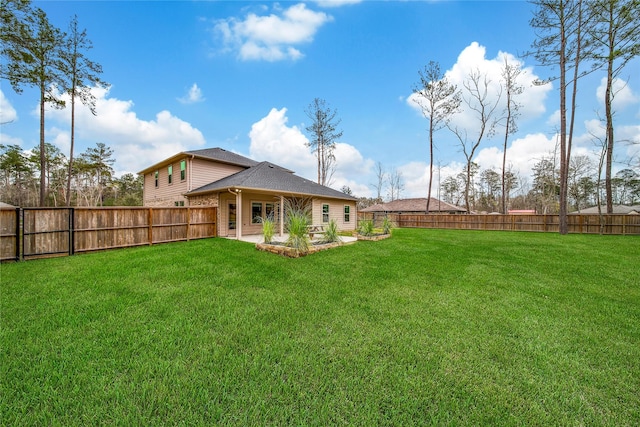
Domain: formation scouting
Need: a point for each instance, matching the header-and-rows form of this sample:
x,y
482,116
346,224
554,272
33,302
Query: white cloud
x,y
10,140
273,140
623,95
336,3
554,119
193,95
136,143
473,59
7,112
415,176
522,155
271,37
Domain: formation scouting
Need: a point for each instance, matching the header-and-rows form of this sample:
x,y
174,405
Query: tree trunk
x,y
504,156
73,129
563,225
43,186
609,140
430,163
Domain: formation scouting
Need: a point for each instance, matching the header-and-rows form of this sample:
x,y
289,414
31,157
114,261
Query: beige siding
x,y
199,172
165,194
204,172
336,212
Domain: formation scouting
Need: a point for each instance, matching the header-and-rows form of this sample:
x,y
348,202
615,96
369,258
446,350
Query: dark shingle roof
x,y
214,154
414,205
270,177
222,155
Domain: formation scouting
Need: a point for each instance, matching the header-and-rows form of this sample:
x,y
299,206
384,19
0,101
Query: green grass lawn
x,y
429,327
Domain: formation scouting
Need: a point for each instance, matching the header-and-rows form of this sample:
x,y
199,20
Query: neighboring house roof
x,y
414,205
267,176
6,205
617,209
214,154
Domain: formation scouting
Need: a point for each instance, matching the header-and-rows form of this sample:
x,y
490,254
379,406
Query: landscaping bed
x,y
374,238
282,249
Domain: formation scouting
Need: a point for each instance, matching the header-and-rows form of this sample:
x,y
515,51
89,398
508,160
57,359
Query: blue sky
x,y
186,75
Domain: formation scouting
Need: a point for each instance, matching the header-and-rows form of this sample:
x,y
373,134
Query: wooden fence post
x,y
188,222
71,231
150,221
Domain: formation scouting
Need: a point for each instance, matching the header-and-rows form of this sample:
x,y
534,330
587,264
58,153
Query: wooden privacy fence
x,y
42,232
581,224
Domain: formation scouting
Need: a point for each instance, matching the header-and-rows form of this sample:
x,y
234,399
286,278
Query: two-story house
x,y
243,189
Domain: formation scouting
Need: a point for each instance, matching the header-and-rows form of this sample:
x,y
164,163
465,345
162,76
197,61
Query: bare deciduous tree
x,y
478,100
396,185
381,177
510,74
324,135
438,100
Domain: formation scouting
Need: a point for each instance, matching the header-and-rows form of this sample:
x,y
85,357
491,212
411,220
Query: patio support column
x,y
238,214
281,214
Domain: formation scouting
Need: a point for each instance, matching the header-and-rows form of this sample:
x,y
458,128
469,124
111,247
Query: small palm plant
x,y
297,221
366,227
331,232
268,229
387,225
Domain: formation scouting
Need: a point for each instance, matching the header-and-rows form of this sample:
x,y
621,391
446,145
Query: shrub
x,y
268,229
387,225
366,227
331,232
297,220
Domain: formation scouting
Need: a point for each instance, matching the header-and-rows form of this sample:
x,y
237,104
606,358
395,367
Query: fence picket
x,y
579,224
46,232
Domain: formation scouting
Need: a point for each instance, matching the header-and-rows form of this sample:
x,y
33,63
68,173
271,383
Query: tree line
x,y
36,54
574,37
542,194
92,178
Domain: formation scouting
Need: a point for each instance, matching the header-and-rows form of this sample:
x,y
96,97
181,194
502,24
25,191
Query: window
x,y
347,211
180,203
256,212
170,173
183,170
269,211
325,213
156,179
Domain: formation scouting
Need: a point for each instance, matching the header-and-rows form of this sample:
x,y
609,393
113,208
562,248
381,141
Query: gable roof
x,y
617,210
213,154
414,205
270,177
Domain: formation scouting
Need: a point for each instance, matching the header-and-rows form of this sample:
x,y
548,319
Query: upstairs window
x,y
347,213
183,170
156,175
325,213
170,173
